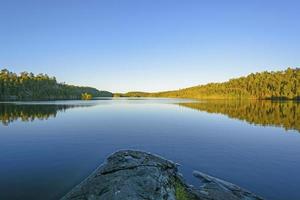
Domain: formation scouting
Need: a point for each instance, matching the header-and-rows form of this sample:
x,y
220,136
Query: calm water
x,y
48,147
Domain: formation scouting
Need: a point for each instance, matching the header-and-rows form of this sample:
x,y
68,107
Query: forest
x,y
264,85
27,86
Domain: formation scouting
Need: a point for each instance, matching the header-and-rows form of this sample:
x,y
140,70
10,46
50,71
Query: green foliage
x,y
118,95
284,114
180,192
264,85
86,96
27,86
137,94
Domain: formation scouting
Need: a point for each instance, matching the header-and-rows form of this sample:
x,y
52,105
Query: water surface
x,y
48,147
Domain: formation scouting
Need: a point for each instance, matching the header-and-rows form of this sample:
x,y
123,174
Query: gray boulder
x,y
136,175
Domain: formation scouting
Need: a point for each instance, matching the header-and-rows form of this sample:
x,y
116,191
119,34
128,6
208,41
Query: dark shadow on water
x,y
284,114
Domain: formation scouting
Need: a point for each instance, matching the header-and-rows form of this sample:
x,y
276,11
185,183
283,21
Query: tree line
x,y
265,85
27,86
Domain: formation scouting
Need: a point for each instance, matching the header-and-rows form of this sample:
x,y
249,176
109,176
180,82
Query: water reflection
x,y
284,114
10,112
43,110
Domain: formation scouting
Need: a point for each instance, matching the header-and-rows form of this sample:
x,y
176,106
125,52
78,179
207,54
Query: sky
x,y
148,45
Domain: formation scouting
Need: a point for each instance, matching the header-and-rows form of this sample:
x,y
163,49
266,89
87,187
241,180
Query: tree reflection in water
x,y
10,112
284,114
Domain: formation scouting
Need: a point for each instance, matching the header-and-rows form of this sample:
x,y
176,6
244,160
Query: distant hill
x,y
265,85
27,86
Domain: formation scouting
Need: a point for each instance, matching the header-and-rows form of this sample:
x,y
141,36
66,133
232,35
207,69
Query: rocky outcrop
x,y
136,175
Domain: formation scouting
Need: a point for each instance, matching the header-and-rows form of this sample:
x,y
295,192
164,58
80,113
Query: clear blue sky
x,y
149,45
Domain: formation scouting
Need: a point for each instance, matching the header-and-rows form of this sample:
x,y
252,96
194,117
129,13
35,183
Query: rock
x,y
214,188
135,175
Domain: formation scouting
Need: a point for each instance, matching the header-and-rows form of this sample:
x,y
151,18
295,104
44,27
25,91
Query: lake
x,y
46,148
